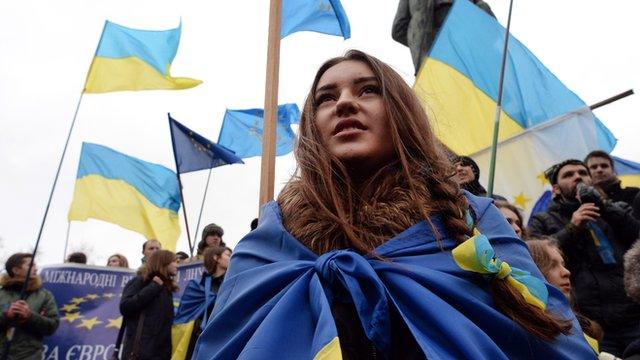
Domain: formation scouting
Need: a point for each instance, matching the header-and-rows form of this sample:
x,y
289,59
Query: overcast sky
x,y
46,48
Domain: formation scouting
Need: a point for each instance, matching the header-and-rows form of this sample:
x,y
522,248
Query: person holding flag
x,y
372,250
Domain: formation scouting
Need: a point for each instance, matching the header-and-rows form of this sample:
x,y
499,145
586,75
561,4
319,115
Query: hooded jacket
x,y
27,340
598,287
277,297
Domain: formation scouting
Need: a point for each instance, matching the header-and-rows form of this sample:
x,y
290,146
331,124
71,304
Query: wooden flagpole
x,y
267,170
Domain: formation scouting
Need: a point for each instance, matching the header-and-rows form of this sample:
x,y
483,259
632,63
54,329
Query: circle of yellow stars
x,y
73,314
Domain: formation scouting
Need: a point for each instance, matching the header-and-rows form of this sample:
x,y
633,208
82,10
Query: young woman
x,y
199,297
550,261
118,260
513,216
357,258
147,302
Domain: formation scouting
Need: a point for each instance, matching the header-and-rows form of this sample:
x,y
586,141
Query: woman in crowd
x,y
550,261
147,308
370,251
199,296
513,216
118,260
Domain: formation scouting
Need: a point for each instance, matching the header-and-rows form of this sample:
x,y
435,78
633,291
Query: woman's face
x,y
351,117
212,240
223,260
558,275
464,173
172,268
114,261
513,220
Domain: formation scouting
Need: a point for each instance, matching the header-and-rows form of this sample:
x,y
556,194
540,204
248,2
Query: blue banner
x,y
88,299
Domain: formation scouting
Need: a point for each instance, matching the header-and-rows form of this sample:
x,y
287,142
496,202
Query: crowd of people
x,y
408,258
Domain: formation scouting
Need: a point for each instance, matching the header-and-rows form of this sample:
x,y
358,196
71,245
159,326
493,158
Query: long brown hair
x,y
323,182
156,265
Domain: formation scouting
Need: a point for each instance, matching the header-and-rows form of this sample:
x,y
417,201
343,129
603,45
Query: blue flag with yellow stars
x,y
194,152
276,299
242,130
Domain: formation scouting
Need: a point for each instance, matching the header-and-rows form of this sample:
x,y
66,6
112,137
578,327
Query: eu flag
x,y
323,16
194,152
242,130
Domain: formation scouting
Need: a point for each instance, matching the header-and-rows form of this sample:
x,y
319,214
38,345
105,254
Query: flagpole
x,y
184,208
66,242
206,188
23,291
496,125
267,169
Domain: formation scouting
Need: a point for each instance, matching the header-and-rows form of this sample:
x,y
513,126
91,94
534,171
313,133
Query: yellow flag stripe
x,y
331,351
130,73
118,202
461,114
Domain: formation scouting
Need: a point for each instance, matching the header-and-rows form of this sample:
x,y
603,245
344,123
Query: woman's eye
x,y
324,98
370,89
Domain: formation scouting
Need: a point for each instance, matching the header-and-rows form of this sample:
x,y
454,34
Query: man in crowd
x,y
77,258
32,318
603,174
593,234
148,247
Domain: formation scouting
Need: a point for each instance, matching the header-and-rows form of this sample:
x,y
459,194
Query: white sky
x,y
46,48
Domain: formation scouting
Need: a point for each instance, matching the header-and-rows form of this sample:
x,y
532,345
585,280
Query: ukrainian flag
x,y
126,191
131,59
628,171
542,122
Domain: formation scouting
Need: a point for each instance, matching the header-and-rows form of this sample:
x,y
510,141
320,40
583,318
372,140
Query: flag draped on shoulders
x,y
322,16
242,130
542,122
120,189
195,152
195,302
277,295
132,59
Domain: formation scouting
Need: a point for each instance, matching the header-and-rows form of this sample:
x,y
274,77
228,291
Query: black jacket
x,y
157,304
598,287
615,192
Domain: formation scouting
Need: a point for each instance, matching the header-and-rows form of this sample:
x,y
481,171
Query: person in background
x,y
199,296
513,216
33,318
77,258
593,234
468,175
147,302
182,256
550,261
632,287
211,236
148,247
603,175
118,260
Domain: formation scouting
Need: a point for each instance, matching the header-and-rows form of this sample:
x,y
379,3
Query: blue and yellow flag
x,y
276,299
131,59
195,152
126,191
542,122
242,130
322,16
628,171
